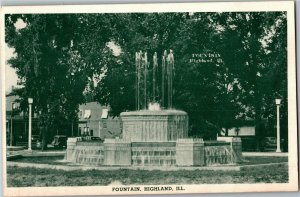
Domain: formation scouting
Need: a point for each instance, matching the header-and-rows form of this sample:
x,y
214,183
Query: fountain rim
x,y
165,112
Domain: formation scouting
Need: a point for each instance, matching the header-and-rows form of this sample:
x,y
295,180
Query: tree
x,y
65,59
54,64
246,41
216,96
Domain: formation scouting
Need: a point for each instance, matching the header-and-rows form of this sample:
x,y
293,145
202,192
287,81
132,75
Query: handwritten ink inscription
x,y
205,58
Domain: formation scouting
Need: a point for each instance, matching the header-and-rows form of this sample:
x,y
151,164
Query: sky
x,y
11,77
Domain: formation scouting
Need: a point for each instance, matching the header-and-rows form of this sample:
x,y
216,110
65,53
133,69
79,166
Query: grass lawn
x,y
52,160
24,177
263,160
55,160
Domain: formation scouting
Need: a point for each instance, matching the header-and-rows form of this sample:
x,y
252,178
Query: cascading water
x,y
87,153
218,154
154,154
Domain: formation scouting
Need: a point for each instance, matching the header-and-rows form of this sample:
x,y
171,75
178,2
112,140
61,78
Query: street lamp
x,y
30,101
278,101
11,123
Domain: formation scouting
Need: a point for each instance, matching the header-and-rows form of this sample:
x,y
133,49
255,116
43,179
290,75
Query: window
x,y
87,114
80,113
104,124
86,130
104,114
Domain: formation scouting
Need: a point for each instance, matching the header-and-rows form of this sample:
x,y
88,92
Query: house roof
x,y
9,100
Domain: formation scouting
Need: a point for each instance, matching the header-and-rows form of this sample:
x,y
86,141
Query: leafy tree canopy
x,y
63,59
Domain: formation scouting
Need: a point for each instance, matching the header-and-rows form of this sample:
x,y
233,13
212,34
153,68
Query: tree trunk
x,y
258,122
44,138
226,132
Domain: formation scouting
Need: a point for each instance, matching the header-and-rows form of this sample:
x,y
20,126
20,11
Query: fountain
x,y
157,135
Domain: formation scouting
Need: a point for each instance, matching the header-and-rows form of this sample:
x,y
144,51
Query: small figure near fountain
x,y
157,135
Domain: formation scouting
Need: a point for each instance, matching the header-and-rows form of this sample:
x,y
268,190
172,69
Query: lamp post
x,y
30,101
278,101
11,123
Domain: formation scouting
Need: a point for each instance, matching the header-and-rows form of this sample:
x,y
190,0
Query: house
x,y
242,131
17,122
94,120
246,131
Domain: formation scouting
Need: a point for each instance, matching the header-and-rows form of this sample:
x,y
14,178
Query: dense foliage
x,y
65,59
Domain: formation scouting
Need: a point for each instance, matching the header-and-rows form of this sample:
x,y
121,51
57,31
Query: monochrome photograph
x,y
149,99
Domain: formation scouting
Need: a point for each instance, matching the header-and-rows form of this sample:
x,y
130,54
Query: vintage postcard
x,y
149,98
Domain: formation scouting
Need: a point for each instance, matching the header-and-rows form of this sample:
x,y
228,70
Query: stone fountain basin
x,y
215,143
182,152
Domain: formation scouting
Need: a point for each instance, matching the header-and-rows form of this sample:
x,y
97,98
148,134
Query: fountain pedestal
x,y
154,126
117,152
190,152
71,144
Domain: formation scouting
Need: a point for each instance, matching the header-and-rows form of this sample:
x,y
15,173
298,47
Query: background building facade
x,y
94,120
